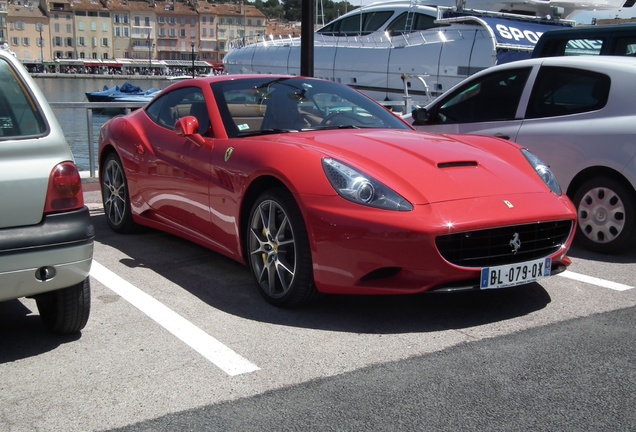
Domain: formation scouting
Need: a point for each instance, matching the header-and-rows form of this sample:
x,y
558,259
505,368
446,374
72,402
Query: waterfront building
x,y
93,31
177,30
61,29
27,31
3,21
208,45
237,21
128,36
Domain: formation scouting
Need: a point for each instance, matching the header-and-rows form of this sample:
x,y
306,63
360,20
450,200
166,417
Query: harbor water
x,y
74,120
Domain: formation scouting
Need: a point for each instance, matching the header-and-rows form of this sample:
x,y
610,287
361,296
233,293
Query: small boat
x,y
118,92
147,96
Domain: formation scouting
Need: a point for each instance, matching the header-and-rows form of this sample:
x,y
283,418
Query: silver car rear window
x,y
20,116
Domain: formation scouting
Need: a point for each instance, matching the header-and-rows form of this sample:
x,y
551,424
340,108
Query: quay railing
x,y
126,108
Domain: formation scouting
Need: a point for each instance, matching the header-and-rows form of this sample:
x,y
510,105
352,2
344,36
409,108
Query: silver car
x,y
577,114
46,236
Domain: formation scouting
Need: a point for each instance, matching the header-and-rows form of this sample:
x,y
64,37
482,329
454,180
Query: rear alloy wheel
x,y
605,216
115,196
66,311
278,248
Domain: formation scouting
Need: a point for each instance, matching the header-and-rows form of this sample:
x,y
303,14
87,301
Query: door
x,y
562,123
178,169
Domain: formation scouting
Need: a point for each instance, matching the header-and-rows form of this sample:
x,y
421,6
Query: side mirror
x,y
420,116
188,127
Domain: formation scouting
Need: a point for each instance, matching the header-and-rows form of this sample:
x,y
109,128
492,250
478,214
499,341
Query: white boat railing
x,y
353,41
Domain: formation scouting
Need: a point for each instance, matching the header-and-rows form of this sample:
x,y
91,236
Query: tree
x,y
292,9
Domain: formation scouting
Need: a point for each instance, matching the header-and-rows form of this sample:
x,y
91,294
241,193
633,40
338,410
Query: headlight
x,y
362,189
543,170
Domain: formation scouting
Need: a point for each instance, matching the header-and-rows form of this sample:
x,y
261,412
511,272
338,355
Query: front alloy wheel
x,y
605,216
278,249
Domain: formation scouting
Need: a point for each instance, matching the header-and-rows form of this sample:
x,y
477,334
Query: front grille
x,y
492,247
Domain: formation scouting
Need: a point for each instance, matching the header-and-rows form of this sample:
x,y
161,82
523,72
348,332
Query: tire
x,y
115,196
66,311
606,216
278,250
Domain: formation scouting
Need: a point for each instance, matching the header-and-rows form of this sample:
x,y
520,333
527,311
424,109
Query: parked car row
x,y
577,114
318,189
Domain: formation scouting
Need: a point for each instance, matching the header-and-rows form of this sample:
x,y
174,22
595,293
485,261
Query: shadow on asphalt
x,y
627,257
23,335
228,286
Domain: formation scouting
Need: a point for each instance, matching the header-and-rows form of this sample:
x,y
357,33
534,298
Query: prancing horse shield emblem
x,y
515,243
228,153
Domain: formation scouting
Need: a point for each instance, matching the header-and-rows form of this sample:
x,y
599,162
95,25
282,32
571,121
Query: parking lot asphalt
x,y
179,339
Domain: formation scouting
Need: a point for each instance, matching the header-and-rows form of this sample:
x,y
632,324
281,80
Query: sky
x,y
581,18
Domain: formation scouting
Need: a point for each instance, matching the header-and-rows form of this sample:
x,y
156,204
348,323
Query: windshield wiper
x,y
277,130
340,127
266,132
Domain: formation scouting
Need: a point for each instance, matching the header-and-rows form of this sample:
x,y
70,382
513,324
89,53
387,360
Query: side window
x,y
19,114
561,91
625,46
493,97
583,46
168,108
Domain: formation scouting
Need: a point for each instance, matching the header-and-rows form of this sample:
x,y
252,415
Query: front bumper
x,y
55,254
359,250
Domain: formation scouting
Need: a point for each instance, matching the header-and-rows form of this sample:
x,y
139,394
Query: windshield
x,y
273,105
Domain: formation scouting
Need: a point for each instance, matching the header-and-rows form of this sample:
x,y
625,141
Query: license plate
x,y
515,274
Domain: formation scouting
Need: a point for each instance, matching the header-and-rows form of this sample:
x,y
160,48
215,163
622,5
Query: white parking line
x,y
596,281
210,348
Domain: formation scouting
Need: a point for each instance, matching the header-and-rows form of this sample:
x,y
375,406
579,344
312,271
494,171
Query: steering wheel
x,y
331,118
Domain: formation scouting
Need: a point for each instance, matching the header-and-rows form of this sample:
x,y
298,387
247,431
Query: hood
x,y
428,168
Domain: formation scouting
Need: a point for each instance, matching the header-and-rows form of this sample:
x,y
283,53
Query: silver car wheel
x,y
272,249
601,215
114,192
115,195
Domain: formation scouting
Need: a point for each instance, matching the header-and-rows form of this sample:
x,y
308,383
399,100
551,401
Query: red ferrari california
x,y
319,189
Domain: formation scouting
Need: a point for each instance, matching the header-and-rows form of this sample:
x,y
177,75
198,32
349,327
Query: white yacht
x,y
396,48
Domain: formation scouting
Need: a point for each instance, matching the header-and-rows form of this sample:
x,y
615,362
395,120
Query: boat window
x,y
19,114
418,21
562,91
357,25
492,97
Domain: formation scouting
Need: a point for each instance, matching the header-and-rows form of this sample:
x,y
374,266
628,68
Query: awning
x,y
69,62
186,63
217,66
108,64
126,62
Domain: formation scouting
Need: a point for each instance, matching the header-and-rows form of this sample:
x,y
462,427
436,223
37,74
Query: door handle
x,y
499,135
